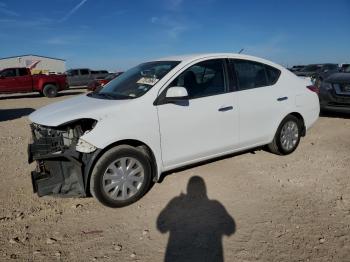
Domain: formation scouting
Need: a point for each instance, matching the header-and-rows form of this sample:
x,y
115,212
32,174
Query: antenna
x,y
240,51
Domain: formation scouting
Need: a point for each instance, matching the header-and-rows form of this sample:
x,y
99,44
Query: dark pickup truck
x,y
20,80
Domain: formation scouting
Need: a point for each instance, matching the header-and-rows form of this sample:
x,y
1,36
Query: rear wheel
x,y
121,176
50,90
287,137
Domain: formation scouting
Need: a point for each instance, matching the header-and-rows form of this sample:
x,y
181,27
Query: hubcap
x,y
289,135
123,178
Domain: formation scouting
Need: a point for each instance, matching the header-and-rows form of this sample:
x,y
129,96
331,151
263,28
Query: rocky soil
x,y
270,208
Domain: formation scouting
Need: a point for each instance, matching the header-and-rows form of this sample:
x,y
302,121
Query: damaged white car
x,y
162,115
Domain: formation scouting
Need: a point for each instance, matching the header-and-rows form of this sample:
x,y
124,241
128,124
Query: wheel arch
x,y
302,121
47,83
130,142
295,114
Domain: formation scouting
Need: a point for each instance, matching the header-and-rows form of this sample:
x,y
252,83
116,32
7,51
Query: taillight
x,y
314,89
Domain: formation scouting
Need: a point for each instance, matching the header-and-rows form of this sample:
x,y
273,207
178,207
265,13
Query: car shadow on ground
x,y
332,114
37,95
10,114
205,162
196,225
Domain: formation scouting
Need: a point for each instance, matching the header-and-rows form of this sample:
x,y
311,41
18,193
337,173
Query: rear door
x,y
85,77
260,100
73,77
24,80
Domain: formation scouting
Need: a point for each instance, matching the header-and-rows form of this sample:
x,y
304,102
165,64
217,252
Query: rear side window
x,y
84,72
22,72
253,74
272,75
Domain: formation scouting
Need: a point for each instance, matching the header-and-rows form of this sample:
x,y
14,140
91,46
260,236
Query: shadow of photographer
x,y
196,225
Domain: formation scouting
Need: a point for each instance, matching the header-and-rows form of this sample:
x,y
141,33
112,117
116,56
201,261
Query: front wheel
x,y
287,137
121,176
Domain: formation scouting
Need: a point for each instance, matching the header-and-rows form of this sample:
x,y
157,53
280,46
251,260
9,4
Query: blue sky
x,y
117,34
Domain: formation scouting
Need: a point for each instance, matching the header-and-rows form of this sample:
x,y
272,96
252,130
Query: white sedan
x,y
163,115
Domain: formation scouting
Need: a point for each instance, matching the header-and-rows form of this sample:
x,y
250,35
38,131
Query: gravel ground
x,y
254,206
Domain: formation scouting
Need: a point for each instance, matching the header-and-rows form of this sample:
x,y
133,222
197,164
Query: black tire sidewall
x,y
278,134
47,91
101,166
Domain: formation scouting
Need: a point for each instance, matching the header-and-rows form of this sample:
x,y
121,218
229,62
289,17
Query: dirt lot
x,y
257,206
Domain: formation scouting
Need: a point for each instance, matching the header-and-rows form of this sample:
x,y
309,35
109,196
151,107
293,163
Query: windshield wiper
x,y
109,95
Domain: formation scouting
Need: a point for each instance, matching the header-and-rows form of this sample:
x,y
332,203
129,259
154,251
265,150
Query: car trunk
x,y
340,89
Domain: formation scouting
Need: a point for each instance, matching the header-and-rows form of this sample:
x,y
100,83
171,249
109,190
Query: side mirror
x,y
176,93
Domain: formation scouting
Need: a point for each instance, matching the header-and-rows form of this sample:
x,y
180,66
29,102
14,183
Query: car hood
x,y
339,78
75,108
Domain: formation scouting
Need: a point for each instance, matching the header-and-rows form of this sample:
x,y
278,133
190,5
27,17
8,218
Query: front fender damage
x,y
61,170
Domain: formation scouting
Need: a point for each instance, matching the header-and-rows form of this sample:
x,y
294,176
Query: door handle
x,y
225,108
282,98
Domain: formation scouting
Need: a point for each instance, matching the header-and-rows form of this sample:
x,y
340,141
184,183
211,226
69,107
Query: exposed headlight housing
x,y
84,147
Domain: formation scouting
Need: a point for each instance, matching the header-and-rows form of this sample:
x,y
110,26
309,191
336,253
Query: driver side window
x,y
206,78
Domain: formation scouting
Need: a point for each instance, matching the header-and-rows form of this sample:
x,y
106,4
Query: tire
x,y
50,90
121,176
290,130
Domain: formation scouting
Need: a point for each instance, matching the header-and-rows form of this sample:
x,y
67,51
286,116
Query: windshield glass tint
x,y
310,68
137,81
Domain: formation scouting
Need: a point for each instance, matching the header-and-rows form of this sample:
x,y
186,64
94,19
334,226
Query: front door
x,y
206,124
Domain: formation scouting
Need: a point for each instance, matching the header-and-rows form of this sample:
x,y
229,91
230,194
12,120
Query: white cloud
x,y
173,26
63,40
72,11
154,19
6,11
174,4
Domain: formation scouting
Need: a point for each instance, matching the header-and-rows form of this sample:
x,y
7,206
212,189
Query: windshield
x,y
136,81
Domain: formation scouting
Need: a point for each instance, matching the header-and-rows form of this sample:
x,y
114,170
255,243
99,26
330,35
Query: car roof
x,y
192,57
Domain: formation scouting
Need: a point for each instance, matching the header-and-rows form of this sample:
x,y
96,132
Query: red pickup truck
x,y
20,80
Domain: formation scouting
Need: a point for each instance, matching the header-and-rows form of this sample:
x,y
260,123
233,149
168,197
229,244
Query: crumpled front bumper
x,y
61,173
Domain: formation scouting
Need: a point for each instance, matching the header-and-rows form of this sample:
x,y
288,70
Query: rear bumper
x,y
336,108
330,101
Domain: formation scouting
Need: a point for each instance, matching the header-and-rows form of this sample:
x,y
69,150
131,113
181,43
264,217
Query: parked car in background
x,y
296,68
101,81
335,92
166,114
83,76
20,80
345,68
318,72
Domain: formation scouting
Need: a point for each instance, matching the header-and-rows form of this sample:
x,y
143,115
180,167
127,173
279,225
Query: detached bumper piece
x,y
60,169
59,175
